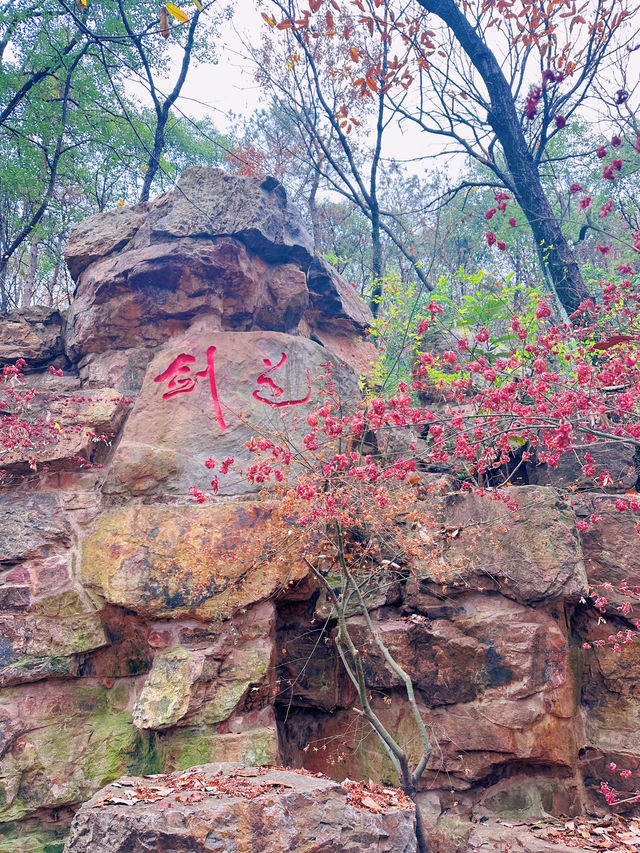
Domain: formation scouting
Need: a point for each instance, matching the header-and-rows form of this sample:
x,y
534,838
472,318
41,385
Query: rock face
x,y
34,334
142,632
219,246
277,811
201,561
208,389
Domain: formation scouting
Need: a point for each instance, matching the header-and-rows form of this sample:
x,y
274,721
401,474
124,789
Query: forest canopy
x,y
527,113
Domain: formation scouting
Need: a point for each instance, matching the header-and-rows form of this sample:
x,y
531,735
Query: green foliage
x,y
73,140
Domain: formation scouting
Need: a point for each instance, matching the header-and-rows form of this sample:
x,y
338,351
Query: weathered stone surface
x,y
255,210
530,796
140,297
66,427
34,334
471,741
203,685
101,235
240,254
308,670
494,680
609,708
616,458
248,738
333,299
264,382
452,833
34,646
306,814
121,369
532,554
31,526
62,740
348,346
490,647
128,652
610,546
203,561
46,833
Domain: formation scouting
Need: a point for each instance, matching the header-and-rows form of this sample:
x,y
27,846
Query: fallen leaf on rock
x,y
613,832
369,803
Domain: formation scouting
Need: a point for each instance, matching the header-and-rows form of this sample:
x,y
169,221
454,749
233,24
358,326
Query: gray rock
x,y
333,298
34,334
291,812
209,203
30,526
101,235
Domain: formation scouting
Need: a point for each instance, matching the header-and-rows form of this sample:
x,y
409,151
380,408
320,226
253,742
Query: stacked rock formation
x,y
140,633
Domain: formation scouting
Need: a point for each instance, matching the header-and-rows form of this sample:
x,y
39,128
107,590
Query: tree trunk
x,y
313,211
376,261
154,158
523,170
29,286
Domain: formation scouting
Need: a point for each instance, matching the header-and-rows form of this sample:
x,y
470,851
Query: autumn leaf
x,y
164,23
271,21
177,13
199,5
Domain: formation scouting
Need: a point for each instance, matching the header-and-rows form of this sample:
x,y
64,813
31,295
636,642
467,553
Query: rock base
x,y
219,807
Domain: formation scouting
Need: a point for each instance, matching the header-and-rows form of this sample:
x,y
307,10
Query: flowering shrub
x,y
488,403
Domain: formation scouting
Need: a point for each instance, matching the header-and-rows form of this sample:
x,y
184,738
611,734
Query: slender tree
x,y
496,81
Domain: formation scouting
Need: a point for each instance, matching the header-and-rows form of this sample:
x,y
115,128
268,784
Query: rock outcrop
x,y
206,808
145,633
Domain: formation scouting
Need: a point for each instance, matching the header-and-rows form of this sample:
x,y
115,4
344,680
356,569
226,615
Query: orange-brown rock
x,y
203,561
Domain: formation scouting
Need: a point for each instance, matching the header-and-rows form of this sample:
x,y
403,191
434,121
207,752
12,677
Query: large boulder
x,y
62,430
143,296
491,647
610,545
206,202
473,743
31,526
530,553
612,456
63,739
34,334
205,683
216,808
205,394
226,246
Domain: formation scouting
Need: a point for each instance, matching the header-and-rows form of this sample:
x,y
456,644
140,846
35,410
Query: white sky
x,y
228,86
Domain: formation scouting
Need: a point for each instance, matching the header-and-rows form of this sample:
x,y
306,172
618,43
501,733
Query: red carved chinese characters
x,y
181,381
275,390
